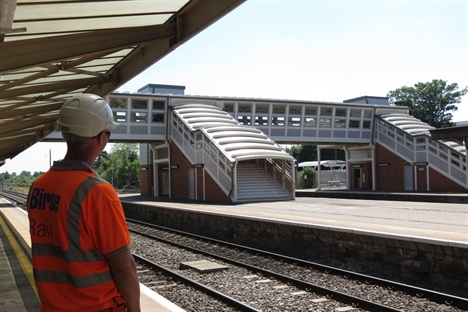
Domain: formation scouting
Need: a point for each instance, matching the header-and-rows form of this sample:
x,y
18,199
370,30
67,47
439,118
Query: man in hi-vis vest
x,y
80,240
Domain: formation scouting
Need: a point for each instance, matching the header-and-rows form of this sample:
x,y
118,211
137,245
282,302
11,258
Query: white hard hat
x,y
85,115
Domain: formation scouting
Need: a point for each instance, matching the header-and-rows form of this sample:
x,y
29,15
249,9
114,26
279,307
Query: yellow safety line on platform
x,y
20,254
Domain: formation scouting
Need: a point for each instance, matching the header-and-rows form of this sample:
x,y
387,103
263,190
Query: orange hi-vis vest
x,y
75,219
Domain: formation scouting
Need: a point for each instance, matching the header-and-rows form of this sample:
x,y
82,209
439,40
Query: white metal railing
x,y
198,148
444,157
282,171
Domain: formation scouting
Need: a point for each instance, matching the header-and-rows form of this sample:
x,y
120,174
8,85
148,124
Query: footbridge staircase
x,y
246,164
410,138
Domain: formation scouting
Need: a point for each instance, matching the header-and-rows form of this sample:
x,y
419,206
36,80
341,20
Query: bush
x,y
306,178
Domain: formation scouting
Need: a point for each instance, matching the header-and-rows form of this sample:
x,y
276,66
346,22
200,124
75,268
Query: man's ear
x,y
101,137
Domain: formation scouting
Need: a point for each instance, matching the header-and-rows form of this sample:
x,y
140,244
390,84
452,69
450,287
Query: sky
x,y
309,50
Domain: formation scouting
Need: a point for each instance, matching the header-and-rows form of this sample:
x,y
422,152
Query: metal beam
x,y
34,99
33,52
18,125
16,141
32,109
71,84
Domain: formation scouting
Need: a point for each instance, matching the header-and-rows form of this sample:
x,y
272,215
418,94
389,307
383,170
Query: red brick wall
x,y
146,180
439,183
213,193
391,178
179,180
179,177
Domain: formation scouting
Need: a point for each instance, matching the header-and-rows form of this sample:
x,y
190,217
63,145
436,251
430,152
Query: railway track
x,y
17,198
352,289
157,278
284,279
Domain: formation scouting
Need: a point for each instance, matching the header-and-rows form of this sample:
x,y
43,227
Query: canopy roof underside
x,y
52,49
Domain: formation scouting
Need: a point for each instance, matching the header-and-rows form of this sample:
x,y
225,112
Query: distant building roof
x,y
368,100
162,89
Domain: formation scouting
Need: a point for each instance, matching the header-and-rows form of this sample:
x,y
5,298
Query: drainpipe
x,y
233,181
319,171
345,148
204,188
466,165
374,168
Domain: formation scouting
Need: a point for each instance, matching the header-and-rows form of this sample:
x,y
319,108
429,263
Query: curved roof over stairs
x,y
238,142
414,126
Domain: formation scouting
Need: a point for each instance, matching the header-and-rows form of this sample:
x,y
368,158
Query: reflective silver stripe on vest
x,y
77,281
74,253
67,255
73,221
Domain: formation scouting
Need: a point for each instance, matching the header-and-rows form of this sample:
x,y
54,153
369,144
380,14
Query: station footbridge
x,y
236,144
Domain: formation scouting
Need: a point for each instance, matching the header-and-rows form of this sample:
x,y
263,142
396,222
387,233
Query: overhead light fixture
x,y
383,165
174,166
198,165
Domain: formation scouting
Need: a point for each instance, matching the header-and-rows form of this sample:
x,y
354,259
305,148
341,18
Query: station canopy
x,y
52,49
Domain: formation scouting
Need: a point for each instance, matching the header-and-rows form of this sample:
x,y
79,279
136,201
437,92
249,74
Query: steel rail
x,y
329,293
435,296
187,281
17,198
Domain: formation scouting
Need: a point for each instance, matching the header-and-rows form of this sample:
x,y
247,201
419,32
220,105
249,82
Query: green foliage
x,y
303,152
307,177
120,167
431,102
309,153
18,182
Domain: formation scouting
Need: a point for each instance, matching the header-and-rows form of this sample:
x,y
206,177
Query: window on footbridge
x,y
139,103
139,117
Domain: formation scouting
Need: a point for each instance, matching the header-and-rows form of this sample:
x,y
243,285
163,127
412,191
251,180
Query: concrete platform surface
x,y
425,220
13,280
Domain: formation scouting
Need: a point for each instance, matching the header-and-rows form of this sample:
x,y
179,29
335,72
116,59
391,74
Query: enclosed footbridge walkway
x,y
241,130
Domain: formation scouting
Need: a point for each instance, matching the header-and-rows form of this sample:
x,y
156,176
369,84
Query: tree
x,y
23,180
431,102
303,152
309,153
120,167
102,162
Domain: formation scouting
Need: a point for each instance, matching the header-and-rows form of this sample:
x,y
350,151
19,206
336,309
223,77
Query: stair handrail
x,y
447,155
